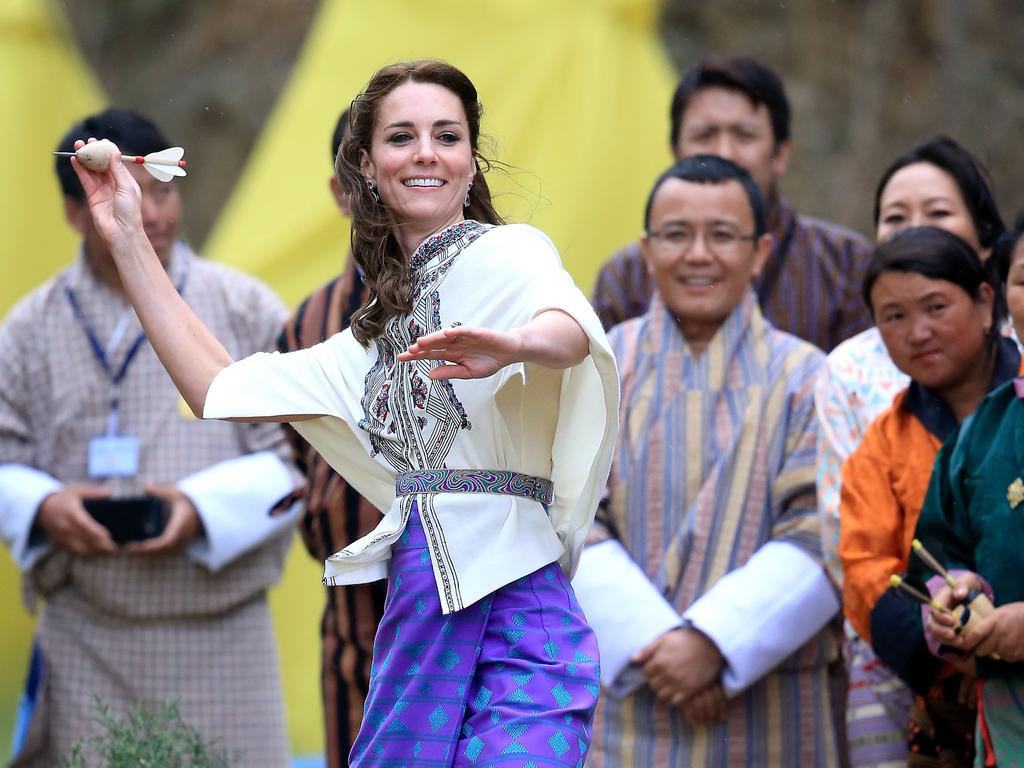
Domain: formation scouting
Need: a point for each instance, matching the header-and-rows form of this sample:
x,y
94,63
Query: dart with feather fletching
x,y
164,165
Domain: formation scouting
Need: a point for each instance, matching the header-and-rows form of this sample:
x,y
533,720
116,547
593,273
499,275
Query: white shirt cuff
x,y
625,610
765,611
22,490
234,499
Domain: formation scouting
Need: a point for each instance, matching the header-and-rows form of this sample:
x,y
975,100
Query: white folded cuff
x,y
626,611
234,499
22,490
760,614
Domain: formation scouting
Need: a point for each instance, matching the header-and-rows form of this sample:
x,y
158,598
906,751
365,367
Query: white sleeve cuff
x,y
234,499
761,613
625,610
22,490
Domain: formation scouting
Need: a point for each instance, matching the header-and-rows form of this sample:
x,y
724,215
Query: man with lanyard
x,y
148,534
736,108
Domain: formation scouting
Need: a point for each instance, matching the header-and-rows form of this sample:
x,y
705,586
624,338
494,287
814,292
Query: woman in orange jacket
x,y
934,302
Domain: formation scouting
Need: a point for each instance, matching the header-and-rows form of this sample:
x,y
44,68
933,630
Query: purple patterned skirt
x,y
511,680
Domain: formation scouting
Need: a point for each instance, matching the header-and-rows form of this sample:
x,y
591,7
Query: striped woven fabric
x,y
716,458
336,516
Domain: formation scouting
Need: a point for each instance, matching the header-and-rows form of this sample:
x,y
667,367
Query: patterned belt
x,y
475,481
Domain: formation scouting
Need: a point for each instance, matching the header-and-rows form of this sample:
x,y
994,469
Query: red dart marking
x,y
140,160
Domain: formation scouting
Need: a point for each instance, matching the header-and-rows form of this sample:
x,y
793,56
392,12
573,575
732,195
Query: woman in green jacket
x,y
973,520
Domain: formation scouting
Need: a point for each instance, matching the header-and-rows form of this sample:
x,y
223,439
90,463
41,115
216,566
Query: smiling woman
x,y
412,165
420,159
934,302
489,465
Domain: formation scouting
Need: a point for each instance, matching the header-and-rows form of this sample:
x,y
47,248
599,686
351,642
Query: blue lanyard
x,y
97,348
116,377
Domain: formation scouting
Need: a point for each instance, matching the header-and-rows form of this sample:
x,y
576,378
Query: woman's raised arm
x,y
188,350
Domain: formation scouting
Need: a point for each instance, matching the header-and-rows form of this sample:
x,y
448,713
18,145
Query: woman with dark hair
x,y
945,156
489,465
934,303
384,233
936,183
971,520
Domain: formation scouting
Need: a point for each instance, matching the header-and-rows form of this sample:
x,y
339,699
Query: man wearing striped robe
x,y
336,515
704,579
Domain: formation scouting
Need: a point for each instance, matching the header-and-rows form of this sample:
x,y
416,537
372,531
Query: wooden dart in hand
x,y
897,582
973,609
164,165
918,549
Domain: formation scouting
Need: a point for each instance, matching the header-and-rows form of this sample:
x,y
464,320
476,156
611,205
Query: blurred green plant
x,y
155,738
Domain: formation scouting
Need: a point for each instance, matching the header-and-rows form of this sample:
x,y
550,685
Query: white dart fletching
x,y
164,164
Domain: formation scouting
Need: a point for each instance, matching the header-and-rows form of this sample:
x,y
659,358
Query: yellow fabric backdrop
x,y
44,86
575,95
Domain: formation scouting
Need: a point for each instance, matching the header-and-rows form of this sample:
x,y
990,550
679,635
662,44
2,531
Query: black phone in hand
x,y
129,518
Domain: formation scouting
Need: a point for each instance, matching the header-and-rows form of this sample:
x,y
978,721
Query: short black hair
x,y
938,255
970,176
133,134
711,169
752,78
340,132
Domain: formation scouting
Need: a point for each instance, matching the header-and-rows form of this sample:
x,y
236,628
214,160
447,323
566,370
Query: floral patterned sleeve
x,y
859,381
833,449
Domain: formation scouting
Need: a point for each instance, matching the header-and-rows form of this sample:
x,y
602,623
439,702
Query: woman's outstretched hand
x,y
552,339
113,197
474,353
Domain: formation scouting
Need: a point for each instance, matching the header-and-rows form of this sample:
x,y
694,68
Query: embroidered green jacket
x,y
967,520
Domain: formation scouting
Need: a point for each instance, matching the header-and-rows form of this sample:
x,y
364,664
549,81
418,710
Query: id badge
x,y
114,456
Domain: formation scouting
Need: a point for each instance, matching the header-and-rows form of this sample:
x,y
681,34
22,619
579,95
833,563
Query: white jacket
x,y
381,417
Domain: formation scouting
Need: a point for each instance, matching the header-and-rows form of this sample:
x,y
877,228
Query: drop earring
x,y
465,203
373,190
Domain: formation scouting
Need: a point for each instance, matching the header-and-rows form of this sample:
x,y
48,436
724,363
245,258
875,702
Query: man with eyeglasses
x,y
809,286
703,579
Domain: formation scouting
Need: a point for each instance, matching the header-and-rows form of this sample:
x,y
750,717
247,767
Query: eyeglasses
x,y
720,240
